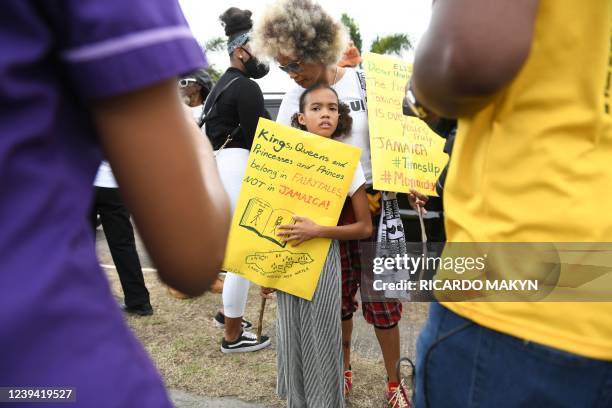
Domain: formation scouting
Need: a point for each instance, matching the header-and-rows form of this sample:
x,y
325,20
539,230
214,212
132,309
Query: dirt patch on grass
x,y
185,346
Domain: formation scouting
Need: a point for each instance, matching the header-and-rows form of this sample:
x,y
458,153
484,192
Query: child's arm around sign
x,y
306,229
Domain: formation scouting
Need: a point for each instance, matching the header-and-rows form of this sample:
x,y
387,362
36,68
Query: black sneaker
x,y
245,343
143,310
219,321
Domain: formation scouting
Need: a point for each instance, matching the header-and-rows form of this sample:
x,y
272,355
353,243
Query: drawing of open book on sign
x,y
261,218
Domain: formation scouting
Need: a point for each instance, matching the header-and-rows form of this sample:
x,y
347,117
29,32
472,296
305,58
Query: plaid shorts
x,y
380,314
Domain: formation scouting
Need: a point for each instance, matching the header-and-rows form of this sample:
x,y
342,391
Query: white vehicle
x,y
272,101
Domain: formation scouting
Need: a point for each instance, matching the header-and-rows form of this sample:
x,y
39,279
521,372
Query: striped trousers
x,y
309,336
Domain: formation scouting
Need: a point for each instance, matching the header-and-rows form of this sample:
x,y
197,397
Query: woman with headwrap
x,y
231,113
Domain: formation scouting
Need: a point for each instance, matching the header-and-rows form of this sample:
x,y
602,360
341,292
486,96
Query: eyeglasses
x,y
184,83
292,67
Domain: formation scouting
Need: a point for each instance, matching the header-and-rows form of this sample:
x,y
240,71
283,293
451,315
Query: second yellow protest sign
x,y
289,172
406,154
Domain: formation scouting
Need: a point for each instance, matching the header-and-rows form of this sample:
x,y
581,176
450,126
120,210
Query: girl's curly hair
x,y
345,121
300,29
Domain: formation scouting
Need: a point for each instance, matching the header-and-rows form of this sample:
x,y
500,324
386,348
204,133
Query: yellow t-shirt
x,y
536,166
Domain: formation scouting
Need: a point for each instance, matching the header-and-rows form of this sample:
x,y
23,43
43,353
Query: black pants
x,y
120,237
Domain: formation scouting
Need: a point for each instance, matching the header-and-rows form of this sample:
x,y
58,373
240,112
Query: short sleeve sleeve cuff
x,y
358,180
133,61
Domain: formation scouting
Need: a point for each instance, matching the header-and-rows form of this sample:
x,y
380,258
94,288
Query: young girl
x,y
309,357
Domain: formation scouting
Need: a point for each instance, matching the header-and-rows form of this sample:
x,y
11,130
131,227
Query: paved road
x,y
182,399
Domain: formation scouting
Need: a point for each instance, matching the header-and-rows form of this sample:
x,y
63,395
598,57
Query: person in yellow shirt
x,y
529,81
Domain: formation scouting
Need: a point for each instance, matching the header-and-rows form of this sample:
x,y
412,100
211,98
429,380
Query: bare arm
x,y
169,180
472,49
306,229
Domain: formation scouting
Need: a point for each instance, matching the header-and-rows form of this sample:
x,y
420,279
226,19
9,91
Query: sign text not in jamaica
x,y
406,154
289,173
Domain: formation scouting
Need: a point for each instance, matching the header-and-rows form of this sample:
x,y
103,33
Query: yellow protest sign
x,y
405,152
289,172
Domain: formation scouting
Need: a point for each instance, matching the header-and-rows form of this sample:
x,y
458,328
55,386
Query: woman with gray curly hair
x,y
307,43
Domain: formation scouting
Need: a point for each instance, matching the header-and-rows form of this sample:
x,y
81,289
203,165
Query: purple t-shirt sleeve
x,y
111,47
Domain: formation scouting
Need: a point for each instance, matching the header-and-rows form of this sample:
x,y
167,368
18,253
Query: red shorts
x,y
380,314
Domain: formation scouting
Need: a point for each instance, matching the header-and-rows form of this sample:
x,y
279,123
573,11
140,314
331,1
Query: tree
x,y
353,28
392,44
215,44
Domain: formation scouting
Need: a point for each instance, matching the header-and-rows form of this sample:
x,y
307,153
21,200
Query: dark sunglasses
x,y
292,67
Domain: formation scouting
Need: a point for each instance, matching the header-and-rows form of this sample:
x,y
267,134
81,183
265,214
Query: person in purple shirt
x,y
74,75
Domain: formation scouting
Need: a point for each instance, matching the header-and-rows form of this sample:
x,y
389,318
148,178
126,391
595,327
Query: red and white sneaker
x,y
348,382
397,395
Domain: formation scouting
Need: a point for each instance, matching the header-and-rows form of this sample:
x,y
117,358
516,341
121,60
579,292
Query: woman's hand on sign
x,y
267,293
303,230
417,199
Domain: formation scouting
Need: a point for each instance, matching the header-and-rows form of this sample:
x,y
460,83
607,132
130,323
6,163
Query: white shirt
x,y
358,180
105,177
350,92
196,112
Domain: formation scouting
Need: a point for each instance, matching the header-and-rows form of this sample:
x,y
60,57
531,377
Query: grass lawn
x,y
184,344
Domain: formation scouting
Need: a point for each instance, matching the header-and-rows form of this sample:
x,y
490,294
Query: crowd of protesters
x,y
520,99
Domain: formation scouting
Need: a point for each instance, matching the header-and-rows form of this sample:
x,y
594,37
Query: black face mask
x,y
254,68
